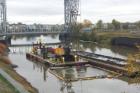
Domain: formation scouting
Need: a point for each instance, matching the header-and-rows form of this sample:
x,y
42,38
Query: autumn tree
x,y
87,23
2,48
4,59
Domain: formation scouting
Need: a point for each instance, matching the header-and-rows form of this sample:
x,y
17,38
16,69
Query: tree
x,y
3,48
99,24
116,24
87,23
110,26
138,24
125,26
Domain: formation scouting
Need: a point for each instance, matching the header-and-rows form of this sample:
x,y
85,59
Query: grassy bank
x,y
6,87
115,33
106,37
17,77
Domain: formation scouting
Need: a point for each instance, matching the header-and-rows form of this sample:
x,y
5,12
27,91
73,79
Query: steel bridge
x,y
71,11
30,31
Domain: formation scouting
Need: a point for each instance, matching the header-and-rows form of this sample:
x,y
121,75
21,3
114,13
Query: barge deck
x,y
96,63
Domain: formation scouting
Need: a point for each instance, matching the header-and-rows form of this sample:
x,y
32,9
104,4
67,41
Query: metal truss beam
x,y
3,17
71,10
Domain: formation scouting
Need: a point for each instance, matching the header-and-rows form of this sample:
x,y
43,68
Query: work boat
x,y
47,56
42,53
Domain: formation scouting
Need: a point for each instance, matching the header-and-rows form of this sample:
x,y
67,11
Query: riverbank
x,y
6,87
112,37
12,73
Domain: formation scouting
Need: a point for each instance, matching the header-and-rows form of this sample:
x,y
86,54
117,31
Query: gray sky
x,y
51,11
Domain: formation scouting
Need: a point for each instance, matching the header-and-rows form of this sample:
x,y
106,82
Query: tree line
x,y
100,26
114,25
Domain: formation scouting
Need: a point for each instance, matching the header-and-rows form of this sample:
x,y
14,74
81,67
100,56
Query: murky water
x,y
32,39
46,81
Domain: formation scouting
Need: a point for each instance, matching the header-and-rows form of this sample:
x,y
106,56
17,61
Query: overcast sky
x,y
51,11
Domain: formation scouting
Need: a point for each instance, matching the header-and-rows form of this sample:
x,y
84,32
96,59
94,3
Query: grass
x,y
17,77
106,37
118,34
6,87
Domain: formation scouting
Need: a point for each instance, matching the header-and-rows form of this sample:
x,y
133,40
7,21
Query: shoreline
x,y
18,78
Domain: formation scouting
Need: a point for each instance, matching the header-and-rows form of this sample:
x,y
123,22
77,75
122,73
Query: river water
x,y
46,80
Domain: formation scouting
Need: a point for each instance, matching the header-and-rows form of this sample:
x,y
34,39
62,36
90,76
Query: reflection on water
x,y
20,50
41,78
56,80
78,72
68,75
30,39
114,51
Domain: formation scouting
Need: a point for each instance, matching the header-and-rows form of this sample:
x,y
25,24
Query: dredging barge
x,y
113,65
49,55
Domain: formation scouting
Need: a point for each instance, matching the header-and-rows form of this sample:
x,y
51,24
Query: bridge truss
x,y
3,18
71,11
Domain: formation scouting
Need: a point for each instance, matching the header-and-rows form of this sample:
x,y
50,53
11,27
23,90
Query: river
x,y
45,81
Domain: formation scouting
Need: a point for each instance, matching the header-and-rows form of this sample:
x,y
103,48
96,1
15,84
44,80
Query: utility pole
x,y
3,17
